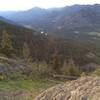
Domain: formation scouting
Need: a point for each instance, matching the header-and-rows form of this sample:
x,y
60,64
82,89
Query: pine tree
x,y
56,63
65,68
6,44
26,52
70,68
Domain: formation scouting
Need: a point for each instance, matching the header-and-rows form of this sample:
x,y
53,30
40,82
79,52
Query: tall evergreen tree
x,y
6,44
56,63
26,52
69,68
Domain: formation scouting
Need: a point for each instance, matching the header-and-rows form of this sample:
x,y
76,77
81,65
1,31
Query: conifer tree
x,y
26,52
6,44
70,68
56,63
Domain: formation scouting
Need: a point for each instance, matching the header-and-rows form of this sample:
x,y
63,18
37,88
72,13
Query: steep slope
x,y
6,20
19,35
2,18
27,18
85,88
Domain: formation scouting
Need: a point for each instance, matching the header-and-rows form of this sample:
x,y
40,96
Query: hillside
x,y
19,35
43,46
77,22
85,88
6,20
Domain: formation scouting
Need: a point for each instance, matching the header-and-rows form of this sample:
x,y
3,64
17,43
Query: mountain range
x,y
59,21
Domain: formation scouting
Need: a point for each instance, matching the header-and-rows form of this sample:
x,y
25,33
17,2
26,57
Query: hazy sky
x,y
27,4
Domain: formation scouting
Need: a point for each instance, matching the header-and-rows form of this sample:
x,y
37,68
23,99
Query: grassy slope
x,y
31,85
23,88
19,87
94,34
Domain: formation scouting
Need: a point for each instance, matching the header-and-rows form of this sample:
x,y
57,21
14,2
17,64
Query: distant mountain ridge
x,y
60,21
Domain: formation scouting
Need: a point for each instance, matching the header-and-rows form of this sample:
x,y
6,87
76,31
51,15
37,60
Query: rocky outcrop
x,y
85,88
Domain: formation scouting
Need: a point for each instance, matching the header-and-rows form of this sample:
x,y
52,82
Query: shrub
x,y
96,72
2,77
37,68
83,74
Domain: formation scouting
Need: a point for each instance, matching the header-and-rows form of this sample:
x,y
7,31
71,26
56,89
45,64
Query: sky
x,y
17,5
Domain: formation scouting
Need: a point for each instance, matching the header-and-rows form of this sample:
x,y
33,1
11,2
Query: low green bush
x,y
96,72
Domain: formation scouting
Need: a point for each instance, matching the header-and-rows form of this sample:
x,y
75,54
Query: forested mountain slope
x,y
43,46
